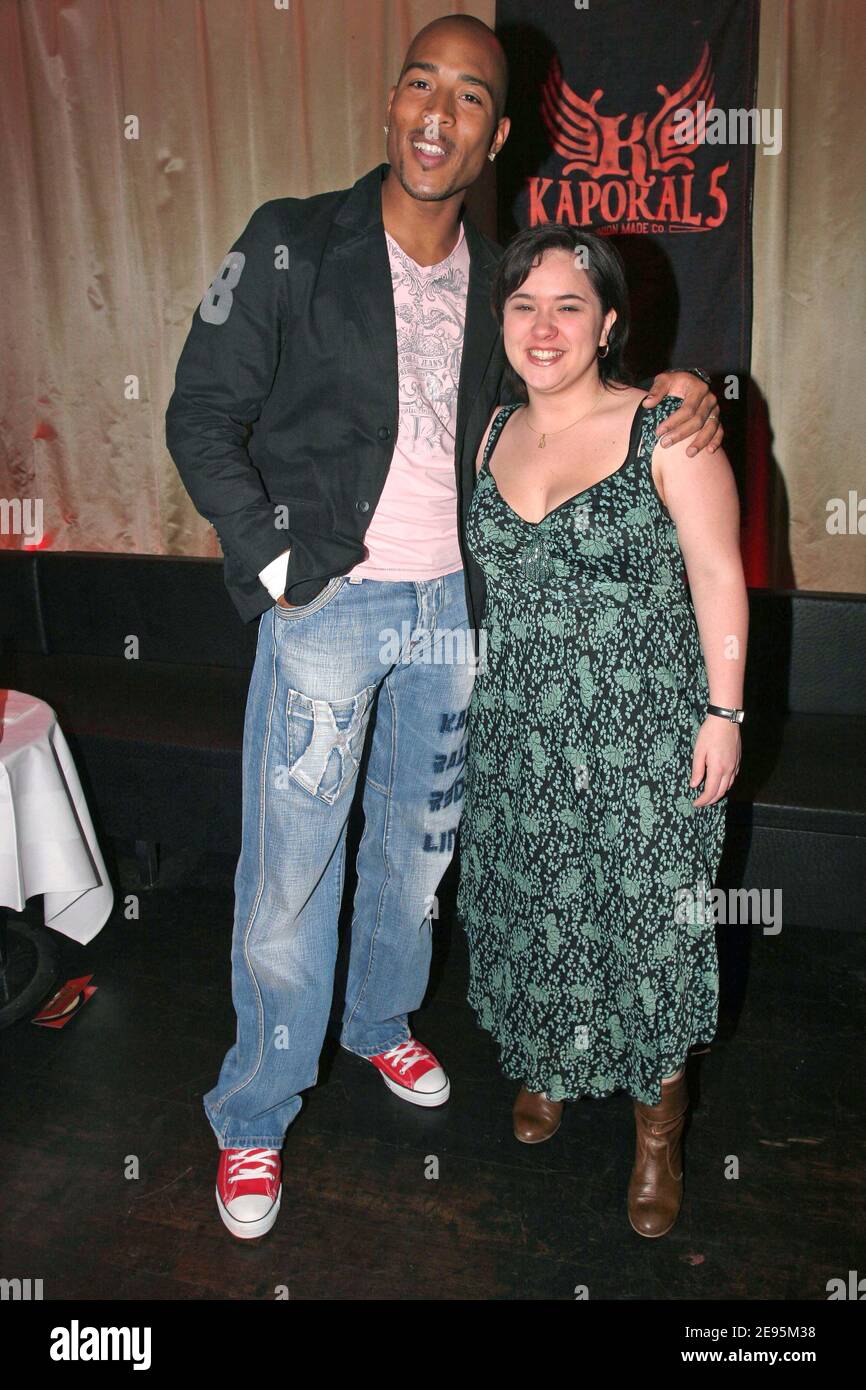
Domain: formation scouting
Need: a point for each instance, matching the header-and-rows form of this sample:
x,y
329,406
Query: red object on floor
x,y
66,1003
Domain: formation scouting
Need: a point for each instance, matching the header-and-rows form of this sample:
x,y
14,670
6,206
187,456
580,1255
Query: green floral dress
x,y
585,870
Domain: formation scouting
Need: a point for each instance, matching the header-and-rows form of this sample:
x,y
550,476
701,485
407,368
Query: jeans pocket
x,y
325,740
315,605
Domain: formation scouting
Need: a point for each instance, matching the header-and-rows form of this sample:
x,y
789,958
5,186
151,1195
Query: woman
x,y
597,776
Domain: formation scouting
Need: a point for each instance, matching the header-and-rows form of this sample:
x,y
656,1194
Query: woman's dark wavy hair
x,y
606,274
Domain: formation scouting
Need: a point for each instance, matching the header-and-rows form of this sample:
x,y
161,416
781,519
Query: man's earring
x,y
491,157
386,128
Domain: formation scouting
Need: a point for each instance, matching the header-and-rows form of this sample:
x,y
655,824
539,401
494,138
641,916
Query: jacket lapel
x,y
361,250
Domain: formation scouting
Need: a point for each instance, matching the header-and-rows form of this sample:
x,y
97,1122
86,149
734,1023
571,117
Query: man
x,y
352,331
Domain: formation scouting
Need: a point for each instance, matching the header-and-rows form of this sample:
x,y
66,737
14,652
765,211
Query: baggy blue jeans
x,y
402,654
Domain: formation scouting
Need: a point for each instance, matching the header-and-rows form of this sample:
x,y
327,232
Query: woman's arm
x,y
701,495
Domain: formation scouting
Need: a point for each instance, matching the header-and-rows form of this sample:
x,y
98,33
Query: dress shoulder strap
x,y
496,429
652,421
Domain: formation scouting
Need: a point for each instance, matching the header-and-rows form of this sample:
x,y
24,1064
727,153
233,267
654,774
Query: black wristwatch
x,y
734,715
696,371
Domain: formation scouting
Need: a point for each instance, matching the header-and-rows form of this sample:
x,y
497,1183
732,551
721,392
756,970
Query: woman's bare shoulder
x,y
624,398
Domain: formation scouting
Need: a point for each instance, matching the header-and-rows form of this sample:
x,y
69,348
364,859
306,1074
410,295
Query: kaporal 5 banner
x,y
637,120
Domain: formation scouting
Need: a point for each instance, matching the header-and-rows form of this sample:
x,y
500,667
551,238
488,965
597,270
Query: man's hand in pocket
x,y
283,604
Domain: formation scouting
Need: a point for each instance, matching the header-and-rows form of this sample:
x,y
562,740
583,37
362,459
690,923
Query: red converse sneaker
x,y
412,1072
248,1190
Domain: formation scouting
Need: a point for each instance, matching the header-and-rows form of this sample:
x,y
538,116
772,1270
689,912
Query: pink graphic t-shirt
x,y
413,531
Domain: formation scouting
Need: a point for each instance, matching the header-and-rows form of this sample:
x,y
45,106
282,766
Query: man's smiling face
x,y
443,112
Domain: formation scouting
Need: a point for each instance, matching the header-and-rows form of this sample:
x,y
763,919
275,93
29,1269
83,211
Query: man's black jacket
x,y
297,339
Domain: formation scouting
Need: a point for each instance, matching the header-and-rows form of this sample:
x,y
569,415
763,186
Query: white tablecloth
x,y
47,841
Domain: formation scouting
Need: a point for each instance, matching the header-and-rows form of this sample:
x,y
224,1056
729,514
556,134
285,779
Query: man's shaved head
x,y
467,25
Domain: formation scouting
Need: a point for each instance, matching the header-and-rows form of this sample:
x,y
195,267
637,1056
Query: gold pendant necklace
x,y
543,434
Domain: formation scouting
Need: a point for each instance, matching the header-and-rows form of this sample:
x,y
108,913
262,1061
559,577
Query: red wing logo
x,y
625,166
696,97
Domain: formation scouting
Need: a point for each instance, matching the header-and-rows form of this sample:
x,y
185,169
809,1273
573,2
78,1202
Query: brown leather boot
x,y
655,1190
535,1117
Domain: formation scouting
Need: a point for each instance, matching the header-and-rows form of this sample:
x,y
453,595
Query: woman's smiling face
x,y
553,325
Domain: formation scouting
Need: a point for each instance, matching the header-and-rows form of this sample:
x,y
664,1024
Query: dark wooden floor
x,y
783,1089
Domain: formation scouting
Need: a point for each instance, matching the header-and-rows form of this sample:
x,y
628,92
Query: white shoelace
x,y
406,1053
252,1163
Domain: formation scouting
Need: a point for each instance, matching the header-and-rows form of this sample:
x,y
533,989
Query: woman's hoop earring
x,y
606,347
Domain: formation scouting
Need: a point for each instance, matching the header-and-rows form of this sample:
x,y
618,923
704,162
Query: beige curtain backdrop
x,y
110,241
809,330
